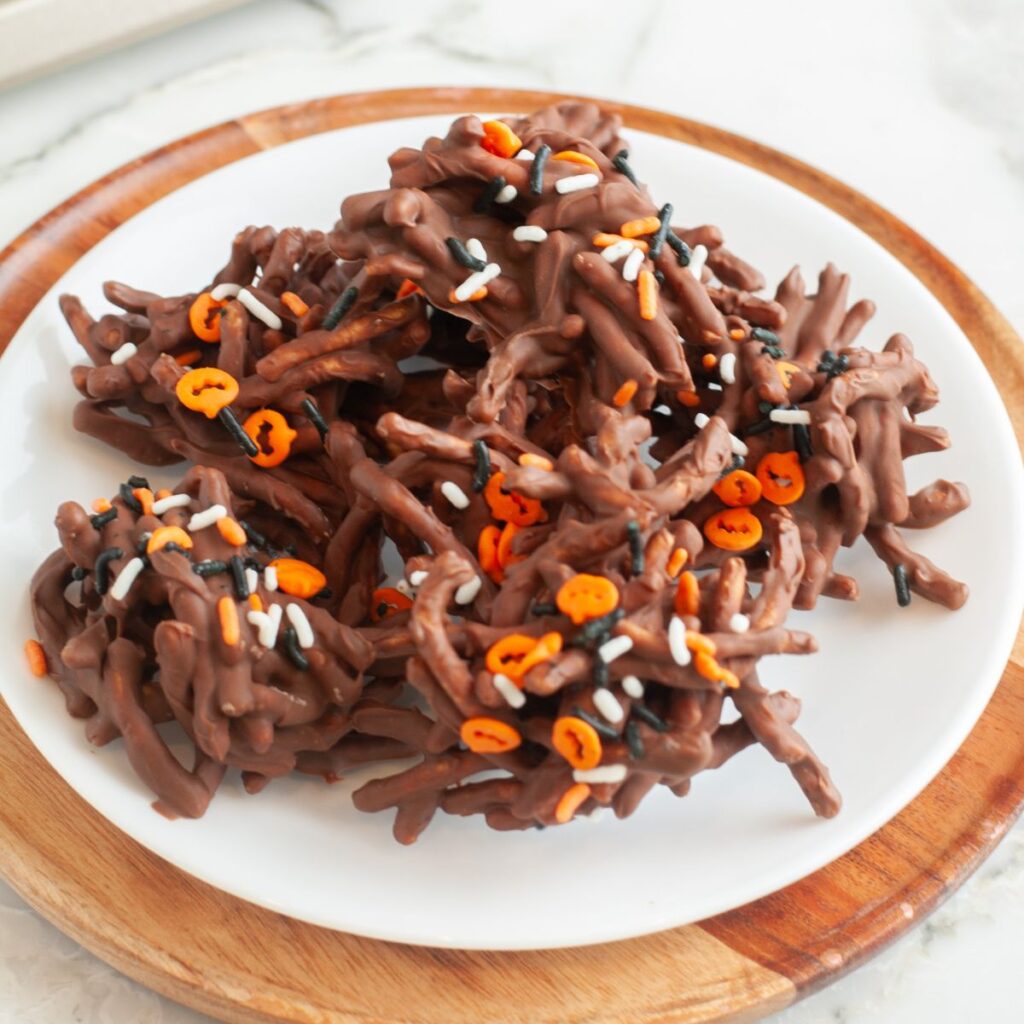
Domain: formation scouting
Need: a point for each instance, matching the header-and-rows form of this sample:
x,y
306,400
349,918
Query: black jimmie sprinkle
x,y
482,473
313,414
636,546
463,255
658,238
682,250
342,304
540,159
899,575
621,163
237,567
101,570
102,518
489,194
292,649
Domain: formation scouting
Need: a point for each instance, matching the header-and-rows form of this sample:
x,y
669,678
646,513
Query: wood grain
x,y
242,963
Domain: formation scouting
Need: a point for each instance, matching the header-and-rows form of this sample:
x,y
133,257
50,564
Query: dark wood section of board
x,y
240,963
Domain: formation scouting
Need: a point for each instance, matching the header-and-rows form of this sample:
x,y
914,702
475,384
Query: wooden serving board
x,y
241,963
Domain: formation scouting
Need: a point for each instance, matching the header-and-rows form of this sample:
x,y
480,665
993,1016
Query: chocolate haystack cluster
x,y
507,476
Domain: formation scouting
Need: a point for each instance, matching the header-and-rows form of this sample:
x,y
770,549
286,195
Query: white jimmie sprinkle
x,y
252,579
602,773
476,281
270,577
697,259
631,268
576,183
514,697
466,594
739,623
123,354
617,250
506,195
790,416
162,505
727,368
209,516
419,577
476,249
125,578
227,290
260,310
677,641
632,687
615,648
529,233
455,494
607,705
303,630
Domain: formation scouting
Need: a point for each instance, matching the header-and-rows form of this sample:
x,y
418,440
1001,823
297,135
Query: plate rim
x,y
34,261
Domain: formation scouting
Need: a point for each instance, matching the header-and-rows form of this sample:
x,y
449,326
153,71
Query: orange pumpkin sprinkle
x,y
738,488
577,741
271,434
500,140
487,553
677,561
515,654
489,735
586,597
640,226
572,157
204,317
227,613
387,601
298,578
687,599
570,802
206,390
504,552
165,535
733,529
295,304
508,506
36,658
647,292
231,531
625,393
536,461
781,477
546,647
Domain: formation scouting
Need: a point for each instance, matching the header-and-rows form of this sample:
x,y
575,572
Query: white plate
x,y
887,701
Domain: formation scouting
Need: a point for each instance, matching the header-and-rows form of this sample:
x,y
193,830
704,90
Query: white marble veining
x,y
917,104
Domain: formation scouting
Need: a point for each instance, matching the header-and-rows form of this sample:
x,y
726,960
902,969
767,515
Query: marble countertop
x,y
916,104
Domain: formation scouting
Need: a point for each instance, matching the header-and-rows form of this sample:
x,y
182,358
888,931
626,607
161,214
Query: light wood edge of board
x,y
204,948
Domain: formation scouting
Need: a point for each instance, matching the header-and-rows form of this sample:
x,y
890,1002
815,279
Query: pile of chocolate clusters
x,y
507,474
